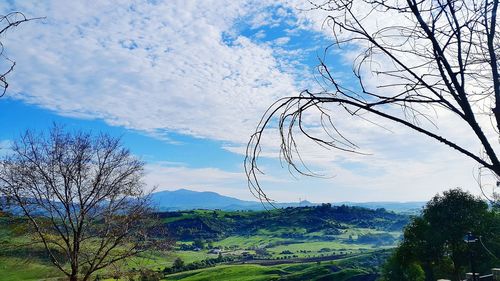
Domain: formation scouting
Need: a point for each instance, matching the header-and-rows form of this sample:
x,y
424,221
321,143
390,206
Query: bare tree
x,y
83,196
7,22
441,57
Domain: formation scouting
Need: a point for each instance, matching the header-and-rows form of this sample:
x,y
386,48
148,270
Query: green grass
x,y
192,256
178,218
310,271
151,260
19,262
243,242
354,232
230,273
314,248
30,263
15,269
280,230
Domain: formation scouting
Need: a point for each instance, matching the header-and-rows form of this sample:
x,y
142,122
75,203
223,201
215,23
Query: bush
x,y
178,263
150,275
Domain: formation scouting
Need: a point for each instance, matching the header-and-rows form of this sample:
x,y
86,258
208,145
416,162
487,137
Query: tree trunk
x,y
429,273
74,273
456,272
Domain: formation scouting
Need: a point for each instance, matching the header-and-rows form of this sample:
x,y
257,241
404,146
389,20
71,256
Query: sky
x,y
184,84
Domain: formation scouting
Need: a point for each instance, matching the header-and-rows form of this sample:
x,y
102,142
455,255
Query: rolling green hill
x,y
305,243
322,222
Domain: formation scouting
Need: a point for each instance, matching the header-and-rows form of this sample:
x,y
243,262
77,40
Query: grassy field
x,y
235,272
249,241
15,269
12,268
306,271
318,248
18,261
252,246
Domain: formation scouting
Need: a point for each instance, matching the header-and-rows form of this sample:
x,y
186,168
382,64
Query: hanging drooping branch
x,y
440,58
8,22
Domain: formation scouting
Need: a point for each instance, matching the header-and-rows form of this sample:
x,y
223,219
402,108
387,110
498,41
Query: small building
x,y
215,251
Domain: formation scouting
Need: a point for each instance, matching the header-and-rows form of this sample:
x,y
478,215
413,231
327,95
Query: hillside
x,y
321,242
289,222
332,241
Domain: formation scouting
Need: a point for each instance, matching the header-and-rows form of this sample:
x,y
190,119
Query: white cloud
x,y
174,177
181,66
282,40
151,67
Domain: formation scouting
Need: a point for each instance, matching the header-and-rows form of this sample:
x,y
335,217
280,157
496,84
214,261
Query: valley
x,y
277,244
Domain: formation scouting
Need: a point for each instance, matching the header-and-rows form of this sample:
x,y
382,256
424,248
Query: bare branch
x,y
443,56
80,191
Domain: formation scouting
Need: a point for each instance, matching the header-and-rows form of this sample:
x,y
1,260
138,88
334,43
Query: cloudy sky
x,y
184,84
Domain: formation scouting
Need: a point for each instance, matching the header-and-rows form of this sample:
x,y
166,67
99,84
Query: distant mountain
x,y
184,199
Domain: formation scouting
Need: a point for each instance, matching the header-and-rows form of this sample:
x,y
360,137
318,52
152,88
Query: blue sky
x,y
184,83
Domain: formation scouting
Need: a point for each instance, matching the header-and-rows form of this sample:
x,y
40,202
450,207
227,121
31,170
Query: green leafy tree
x,y
178,263
418,245
434,240
450,217
397,269
198,243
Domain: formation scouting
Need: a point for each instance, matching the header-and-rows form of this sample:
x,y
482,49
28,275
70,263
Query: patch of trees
x,y
148,275
262,252
179,264
433,244
325,250
197,227
286,222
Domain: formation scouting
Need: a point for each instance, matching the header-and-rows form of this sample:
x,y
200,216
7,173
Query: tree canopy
x,y
434,241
